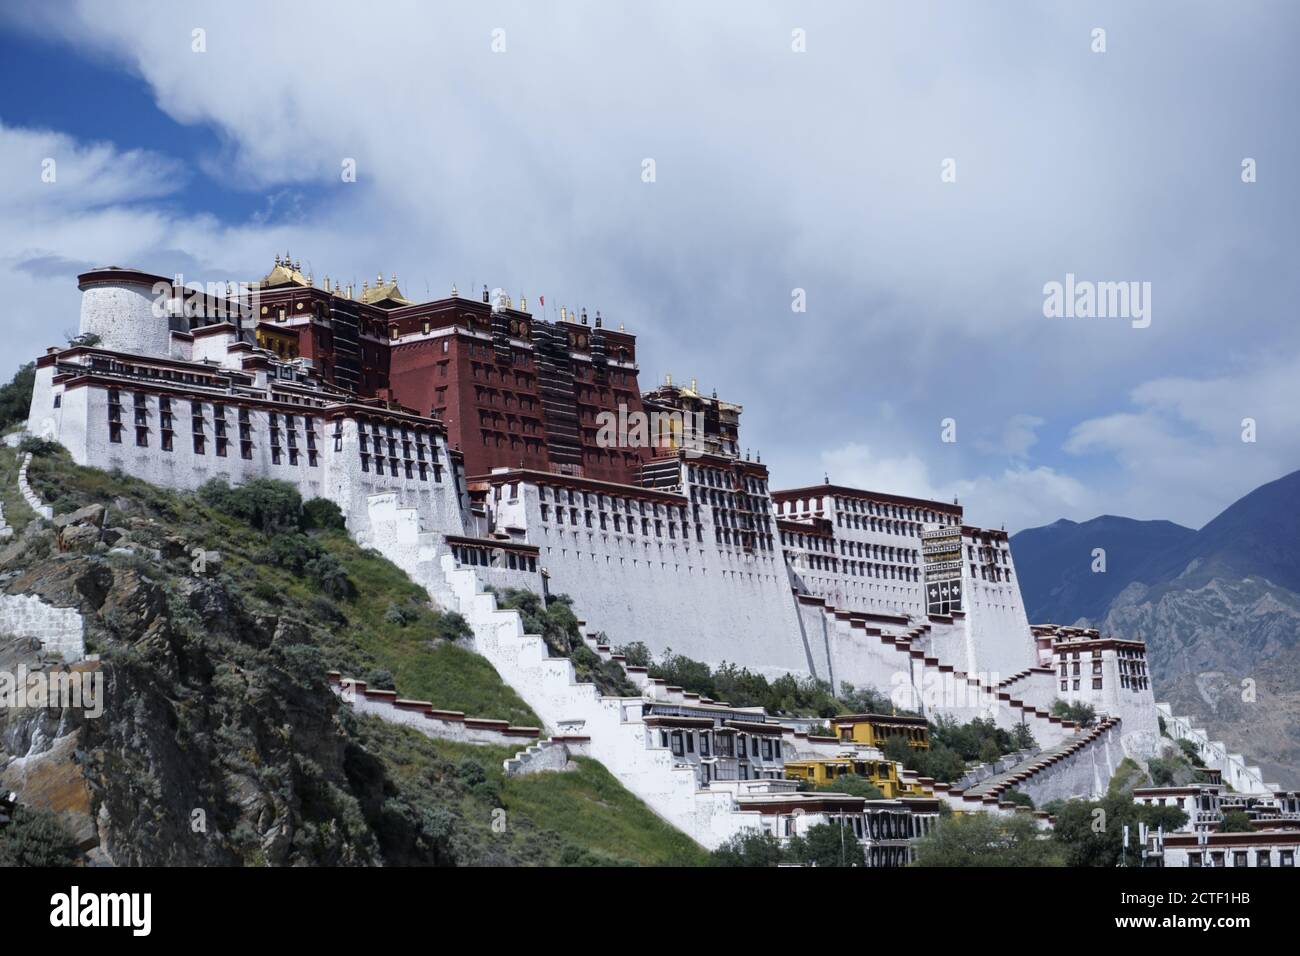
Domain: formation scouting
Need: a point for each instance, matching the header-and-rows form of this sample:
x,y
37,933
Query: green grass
x,y
580,816
354,634
1127,776
588,806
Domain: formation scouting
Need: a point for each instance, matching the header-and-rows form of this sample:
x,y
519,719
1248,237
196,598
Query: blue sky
x,y
776,170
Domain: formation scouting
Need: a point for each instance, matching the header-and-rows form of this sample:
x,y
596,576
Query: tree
x,y
852,783
1023,738
1091,833
983,839
1235,821
16,397
830,844
749,848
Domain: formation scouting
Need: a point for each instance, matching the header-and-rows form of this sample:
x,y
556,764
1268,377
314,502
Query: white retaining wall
x,y
424,717
60,630
31,497
1236,772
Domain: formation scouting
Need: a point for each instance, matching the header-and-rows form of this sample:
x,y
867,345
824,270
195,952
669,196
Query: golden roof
x,y
285,272
384,292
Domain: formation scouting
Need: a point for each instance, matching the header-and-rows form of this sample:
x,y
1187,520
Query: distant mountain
x,y
1055,563
1257,536
1216,607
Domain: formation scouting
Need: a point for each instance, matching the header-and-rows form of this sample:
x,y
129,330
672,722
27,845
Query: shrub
x,y
636,653
323,514
452,626
270,506
1235,821
38,447
1080,713
381,679
854,785
36,838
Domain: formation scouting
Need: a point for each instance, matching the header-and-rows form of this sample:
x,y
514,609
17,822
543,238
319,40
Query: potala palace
x,y
480,447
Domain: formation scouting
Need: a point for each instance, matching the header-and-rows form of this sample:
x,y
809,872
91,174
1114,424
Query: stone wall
x,y
424,717
60,630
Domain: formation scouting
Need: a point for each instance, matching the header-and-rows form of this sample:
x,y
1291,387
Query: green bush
x,y
1079,712
321,514
16,397
1235,821
269,506
452,626
36,838
855,785
38,447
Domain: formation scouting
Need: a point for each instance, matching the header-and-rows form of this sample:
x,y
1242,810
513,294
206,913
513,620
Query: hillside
x,y
218,710
1219,609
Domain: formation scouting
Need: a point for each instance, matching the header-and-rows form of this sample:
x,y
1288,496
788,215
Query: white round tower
x,y
126,310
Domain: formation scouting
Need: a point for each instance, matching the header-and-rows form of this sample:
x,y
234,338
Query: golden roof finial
x,y
379,280
454,293
668,379
523,303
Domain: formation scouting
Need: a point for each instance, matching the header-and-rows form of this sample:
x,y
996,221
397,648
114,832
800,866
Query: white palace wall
x,y
81,424
711,603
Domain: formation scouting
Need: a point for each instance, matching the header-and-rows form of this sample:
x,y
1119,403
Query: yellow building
x,y
876,730
820,771
284,343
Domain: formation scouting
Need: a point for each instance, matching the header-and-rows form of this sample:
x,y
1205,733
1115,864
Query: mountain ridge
x,y
1219,605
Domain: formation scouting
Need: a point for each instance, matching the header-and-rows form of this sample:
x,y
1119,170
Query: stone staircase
x,y
1026,770
898,651
611,726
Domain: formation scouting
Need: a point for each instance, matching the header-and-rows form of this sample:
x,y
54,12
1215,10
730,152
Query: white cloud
x,y
1181,448
1016,497
775,170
